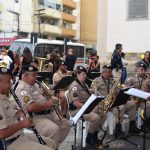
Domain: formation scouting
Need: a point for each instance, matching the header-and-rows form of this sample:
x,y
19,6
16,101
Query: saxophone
x,y
108,101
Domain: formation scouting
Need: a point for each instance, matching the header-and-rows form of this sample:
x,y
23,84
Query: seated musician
x,y
79,93
58,75
103,85
11,134
48,123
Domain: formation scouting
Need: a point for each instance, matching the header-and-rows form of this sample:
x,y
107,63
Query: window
x,y
41,2
137,9
16,1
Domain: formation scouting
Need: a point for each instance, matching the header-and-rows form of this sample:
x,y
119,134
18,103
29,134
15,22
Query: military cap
x,y
81,68
141,65
29,68
107,66
4,67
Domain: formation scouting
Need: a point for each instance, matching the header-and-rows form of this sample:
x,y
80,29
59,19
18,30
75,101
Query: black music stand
x,y
121,99
63,83
86,109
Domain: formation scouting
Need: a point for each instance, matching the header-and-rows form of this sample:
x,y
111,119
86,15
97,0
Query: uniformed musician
x,y
10,127
44,117
79,93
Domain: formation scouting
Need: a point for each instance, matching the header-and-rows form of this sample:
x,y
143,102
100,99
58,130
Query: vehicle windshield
x,y
19,46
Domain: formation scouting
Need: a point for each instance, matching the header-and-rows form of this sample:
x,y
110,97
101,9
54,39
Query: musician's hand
x,y
26,122
19,113
50,103
54,99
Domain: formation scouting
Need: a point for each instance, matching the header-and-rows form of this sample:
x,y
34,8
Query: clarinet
x,y
3,144
25,112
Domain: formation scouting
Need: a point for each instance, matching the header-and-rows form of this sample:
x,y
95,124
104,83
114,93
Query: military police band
x,y
45,119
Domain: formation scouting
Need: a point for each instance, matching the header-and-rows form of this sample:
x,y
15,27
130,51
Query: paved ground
x,y
116,145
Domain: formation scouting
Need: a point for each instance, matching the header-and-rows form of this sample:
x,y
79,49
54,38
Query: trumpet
x,y
48,94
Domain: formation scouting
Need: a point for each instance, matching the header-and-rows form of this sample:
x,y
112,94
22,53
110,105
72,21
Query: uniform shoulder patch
x,y
1,117
26,99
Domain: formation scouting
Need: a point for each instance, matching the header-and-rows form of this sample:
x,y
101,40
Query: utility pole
x,y
39,20
18,20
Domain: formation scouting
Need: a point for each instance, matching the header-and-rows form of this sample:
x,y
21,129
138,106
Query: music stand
x,y
144,97
63,83
86,109
121,99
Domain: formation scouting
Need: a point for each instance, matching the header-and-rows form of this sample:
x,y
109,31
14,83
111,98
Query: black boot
x,y
117,132
92,139
133,129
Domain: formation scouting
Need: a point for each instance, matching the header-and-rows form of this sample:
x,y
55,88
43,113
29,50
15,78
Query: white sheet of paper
x,y
75,119
138,93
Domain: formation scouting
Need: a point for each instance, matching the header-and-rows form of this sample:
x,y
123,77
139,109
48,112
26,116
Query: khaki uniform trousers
x,y
130,106
30,142
96,120
50,126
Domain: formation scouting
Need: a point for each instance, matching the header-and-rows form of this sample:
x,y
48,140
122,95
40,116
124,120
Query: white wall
x,y
134,35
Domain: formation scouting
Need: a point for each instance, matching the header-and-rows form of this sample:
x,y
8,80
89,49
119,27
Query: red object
x,y
6,41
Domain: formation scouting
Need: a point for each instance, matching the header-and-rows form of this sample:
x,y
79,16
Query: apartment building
x,y
55,19
15,20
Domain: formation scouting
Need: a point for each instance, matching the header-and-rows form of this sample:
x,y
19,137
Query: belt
x,y
45,112
8,142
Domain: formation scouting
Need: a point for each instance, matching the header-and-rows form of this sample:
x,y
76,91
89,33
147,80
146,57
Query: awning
x,y
6,41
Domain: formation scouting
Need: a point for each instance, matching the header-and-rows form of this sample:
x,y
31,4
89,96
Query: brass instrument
x,y
108,101
48,94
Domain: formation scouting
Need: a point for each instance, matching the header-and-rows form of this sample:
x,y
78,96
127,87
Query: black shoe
x,y
117,132
133,129
92,139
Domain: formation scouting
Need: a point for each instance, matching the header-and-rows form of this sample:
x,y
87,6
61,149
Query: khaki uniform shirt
x,y
7,115
77,92
58,76
135,81
28,94
101,87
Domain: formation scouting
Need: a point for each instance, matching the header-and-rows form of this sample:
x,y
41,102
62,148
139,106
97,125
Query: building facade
x,y
88,26
55,19
15,20
126,22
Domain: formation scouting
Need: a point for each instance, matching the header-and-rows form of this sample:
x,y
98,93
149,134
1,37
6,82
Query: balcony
x,y
51,13
68,32
50,29
68,17
69,3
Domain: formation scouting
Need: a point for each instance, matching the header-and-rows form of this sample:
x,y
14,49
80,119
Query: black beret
x,y
141,65
107,66
81,68
29,68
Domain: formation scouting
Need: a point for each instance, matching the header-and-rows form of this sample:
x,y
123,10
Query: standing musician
x,y
79,93
45,118
10,127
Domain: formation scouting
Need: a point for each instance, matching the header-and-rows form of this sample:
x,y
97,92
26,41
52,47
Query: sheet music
x,y
91,99
138,93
